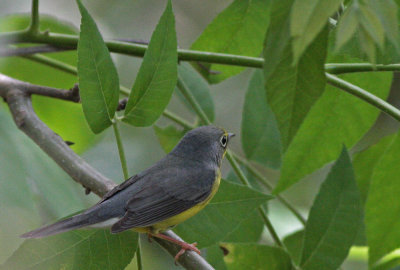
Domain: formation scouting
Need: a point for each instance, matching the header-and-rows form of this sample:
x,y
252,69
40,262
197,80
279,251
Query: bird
x,y
155,200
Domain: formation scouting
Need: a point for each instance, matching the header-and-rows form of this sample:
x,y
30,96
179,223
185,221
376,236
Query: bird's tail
x,y
87,218
74,222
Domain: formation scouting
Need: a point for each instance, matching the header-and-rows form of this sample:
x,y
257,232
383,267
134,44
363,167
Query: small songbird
x,y
162,196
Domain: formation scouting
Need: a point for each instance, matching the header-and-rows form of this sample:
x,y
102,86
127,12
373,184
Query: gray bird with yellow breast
x,y
162,196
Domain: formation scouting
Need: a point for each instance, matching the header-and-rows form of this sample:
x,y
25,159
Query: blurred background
x,y
116,19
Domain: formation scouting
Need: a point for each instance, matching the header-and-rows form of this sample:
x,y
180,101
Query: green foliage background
x,y
332,155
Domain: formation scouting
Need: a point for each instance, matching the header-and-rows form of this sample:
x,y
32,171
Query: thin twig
x,y
127,48
69,95
121,151
340,68
30,50
52,63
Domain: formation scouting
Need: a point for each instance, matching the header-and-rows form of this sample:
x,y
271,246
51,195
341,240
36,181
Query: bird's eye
x,y
223,141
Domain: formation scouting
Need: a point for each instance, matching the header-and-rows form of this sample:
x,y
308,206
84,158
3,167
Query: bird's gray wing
x,y
166,198
119,188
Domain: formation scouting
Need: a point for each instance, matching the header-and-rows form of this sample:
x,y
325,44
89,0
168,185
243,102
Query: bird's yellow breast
x,y
172,221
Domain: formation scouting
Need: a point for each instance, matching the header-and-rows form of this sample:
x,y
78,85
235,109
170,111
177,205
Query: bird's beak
x,y
230,135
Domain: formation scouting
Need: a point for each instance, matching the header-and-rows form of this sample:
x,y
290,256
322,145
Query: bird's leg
x,y
184,246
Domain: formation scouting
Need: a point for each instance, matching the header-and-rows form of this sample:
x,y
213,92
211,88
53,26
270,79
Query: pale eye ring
x,y
223,140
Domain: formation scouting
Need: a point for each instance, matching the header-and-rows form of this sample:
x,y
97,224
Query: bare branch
x,y
6,83
17,94
25,118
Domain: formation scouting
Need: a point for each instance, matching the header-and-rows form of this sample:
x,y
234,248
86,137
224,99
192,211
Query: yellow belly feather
x,y
172,221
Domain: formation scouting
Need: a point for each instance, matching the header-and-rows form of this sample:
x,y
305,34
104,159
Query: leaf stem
x,y
364,95
270,227
192,101
139,261
177,119
52,63
124,166
34,25
120,148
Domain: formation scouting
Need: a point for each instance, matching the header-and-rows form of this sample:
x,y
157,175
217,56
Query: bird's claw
x,y
184,247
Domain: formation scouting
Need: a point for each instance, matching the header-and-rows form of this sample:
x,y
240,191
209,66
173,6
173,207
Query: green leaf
x,y
365,162
391,264
231,205
383,206
371,24
254,256
98,77
70,126
82,249
387,10
369,21
294,244
168,137
334,218
308,18
260,134
291,89
240,30
337,118
33,188
248,231
157,75
215,257
198,87
347,27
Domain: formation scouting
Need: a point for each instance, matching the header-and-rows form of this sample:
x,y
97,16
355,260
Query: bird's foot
x,y
186,246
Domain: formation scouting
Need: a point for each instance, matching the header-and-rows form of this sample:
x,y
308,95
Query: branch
x,y
339,68
17,94
138,48
6,83
189,260
63,40
19,102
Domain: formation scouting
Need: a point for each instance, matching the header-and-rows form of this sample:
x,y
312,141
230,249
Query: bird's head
x,y
204,143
